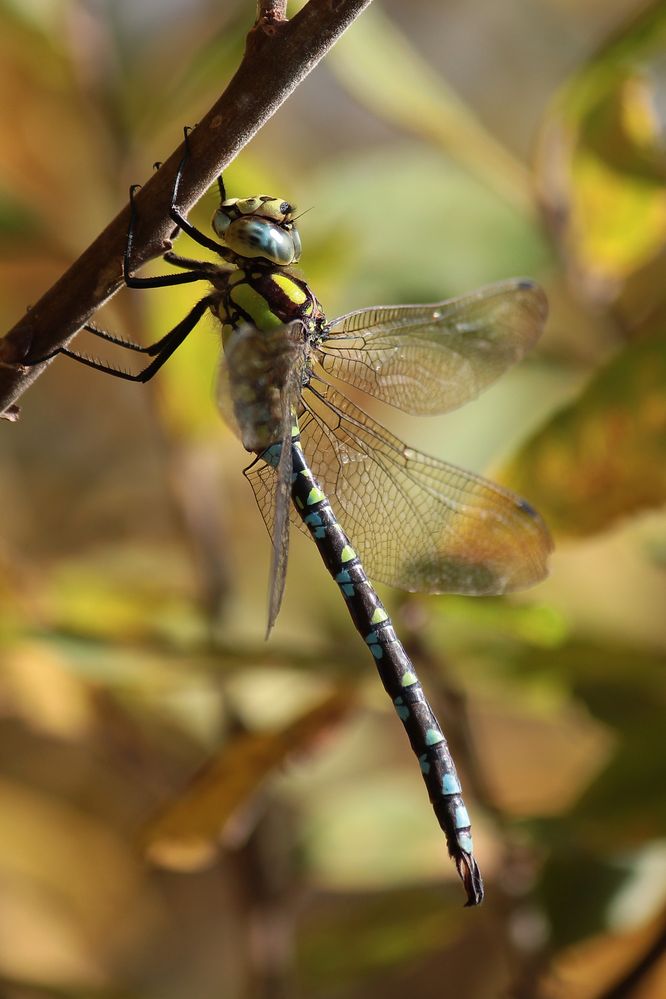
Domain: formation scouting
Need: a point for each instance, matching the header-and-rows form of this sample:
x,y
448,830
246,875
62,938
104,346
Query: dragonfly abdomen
x,y
395,669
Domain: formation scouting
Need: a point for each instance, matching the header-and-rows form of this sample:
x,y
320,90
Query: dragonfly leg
x,y
188,263
199,272
152,348
121,341
161,350
177,215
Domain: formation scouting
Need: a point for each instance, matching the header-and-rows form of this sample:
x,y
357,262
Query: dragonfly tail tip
x,y
469,872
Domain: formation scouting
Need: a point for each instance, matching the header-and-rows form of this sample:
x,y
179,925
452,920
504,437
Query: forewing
x,y
280,532
260,369
426,359
259,389
419,523
263,479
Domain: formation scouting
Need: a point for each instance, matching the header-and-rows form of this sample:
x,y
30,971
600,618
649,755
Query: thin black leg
x,y
151,349
204,266
179,218
160,280
163,348
140,348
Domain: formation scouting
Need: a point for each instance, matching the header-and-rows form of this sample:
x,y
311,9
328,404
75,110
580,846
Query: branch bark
x,y
279,55
269,11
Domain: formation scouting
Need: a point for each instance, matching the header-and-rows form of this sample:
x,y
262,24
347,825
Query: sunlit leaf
x,y
185,834
631,963
42,691
601,160
604,456
567,750
185,388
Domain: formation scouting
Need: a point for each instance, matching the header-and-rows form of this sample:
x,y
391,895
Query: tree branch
x,y
279,55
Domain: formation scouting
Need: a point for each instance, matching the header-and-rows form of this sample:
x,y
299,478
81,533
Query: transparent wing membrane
x,y
426,359
258,388
417,523
259,378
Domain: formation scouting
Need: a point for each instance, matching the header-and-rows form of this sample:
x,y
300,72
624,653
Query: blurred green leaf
x,y
124,594
623,687
18,221
620,806
377,63
618,682
603,456
458,232
577,888
489,618
378,933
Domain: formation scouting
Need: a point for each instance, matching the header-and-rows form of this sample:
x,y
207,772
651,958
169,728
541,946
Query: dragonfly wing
x,y
259,388
280,533
427,359
263,479
261,369
419,523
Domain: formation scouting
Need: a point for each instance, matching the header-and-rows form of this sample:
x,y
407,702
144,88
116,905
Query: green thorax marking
x,y
267,298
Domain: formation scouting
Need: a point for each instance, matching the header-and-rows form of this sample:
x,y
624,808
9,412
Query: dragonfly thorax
x,y
259,229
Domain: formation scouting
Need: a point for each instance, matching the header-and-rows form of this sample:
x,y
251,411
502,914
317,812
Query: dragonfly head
x,y
259,228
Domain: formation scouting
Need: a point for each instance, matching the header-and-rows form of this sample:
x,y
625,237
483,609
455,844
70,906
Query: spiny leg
x,y
188,263
151,349
162,349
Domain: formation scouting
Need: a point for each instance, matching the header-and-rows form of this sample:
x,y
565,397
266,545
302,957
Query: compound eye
x,y
296,240
253,237
220,222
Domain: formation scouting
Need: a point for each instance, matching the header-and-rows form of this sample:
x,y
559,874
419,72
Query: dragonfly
x,y
288,386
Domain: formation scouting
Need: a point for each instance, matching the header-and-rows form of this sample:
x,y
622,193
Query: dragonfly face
x,y
259,229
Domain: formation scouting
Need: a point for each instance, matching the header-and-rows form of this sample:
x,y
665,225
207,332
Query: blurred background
x,y
188,811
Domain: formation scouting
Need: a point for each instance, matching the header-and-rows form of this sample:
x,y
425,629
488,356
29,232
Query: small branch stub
x,y
270,12
275,62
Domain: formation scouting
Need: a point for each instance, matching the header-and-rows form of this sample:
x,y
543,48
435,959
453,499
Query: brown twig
x,y
279,54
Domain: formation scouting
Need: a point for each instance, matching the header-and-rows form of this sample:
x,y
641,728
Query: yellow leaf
x,y
184,835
